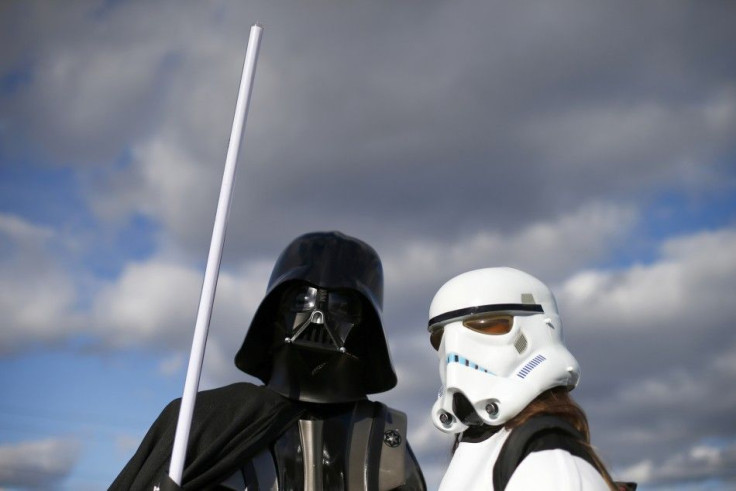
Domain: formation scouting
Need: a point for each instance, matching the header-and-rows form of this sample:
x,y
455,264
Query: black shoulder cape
x,y
230,424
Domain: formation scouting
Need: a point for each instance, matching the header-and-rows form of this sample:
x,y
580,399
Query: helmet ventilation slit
x,y
521,343
536,361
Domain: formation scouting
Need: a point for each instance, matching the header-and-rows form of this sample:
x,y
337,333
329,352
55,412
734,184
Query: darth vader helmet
x,y
498,335
317,336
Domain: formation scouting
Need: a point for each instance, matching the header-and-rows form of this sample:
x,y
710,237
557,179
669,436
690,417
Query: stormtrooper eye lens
x,y
490,324
436,338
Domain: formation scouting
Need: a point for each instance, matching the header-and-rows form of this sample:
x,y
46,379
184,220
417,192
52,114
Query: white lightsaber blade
x,y
191,385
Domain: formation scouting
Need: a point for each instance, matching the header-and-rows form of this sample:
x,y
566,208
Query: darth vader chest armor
x,y
356,446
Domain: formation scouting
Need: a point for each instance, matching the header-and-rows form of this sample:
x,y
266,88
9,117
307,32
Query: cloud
x,y
165,182
551,247
147,302
698,463
37,297
153,304
96,80
42,464
642,140
18,230
694,274
416,156
416,268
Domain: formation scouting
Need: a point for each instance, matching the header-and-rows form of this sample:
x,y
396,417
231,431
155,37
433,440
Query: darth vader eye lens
x,y
344,304
300,299
490,324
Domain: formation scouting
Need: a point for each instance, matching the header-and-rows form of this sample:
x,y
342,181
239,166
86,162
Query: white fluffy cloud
x,y
695,274
147,303
154,304
550,249
700,462
39,464
37,297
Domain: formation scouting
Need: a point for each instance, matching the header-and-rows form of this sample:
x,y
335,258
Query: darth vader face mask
x,y
319,319
312,356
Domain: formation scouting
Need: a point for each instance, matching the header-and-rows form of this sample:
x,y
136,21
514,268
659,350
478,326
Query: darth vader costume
x,y
317,343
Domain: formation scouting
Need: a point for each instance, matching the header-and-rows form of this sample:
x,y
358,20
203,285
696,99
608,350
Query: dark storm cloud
x,y
491,121
446,119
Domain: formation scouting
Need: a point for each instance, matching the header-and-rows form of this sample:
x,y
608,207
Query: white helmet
x,y
499,339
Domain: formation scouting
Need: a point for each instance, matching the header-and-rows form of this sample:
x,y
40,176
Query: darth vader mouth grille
x,y
315,335
455,358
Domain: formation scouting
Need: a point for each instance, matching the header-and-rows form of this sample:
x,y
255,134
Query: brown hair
x,y
558,402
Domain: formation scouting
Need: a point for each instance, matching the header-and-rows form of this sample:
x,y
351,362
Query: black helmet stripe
x,y
482,309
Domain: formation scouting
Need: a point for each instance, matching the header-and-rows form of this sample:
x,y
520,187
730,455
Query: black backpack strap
x,y
537,434
626,486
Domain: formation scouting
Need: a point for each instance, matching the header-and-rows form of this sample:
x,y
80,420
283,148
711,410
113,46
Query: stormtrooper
x,y
499,339
506,375
317,343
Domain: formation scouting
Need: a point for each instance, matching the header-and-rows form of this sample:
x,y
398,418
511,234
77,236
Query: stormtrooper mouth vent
x,y
464,410
455,358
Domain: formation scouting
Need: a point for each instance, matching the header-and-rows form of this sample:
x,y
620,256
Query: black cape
x,y
230,425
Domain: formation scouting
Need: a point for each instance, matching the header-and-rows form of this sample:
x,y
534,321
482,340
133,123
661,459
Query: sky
x,y
590,144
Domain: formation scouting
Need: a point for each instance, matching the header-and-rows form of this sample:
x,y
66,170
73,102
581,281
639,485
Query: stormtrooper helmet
x,y
499,339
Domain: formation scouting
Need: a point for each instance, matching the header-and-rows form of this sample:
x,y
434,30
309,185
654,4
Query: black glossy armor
x,y
354,446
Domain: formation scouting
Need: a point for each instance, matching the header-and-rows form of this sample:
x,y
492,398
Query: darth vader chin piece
x,y
316,375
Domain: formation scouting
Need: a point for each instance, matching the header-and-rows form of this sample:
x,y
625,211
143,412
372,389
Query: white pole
x,y
212,270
